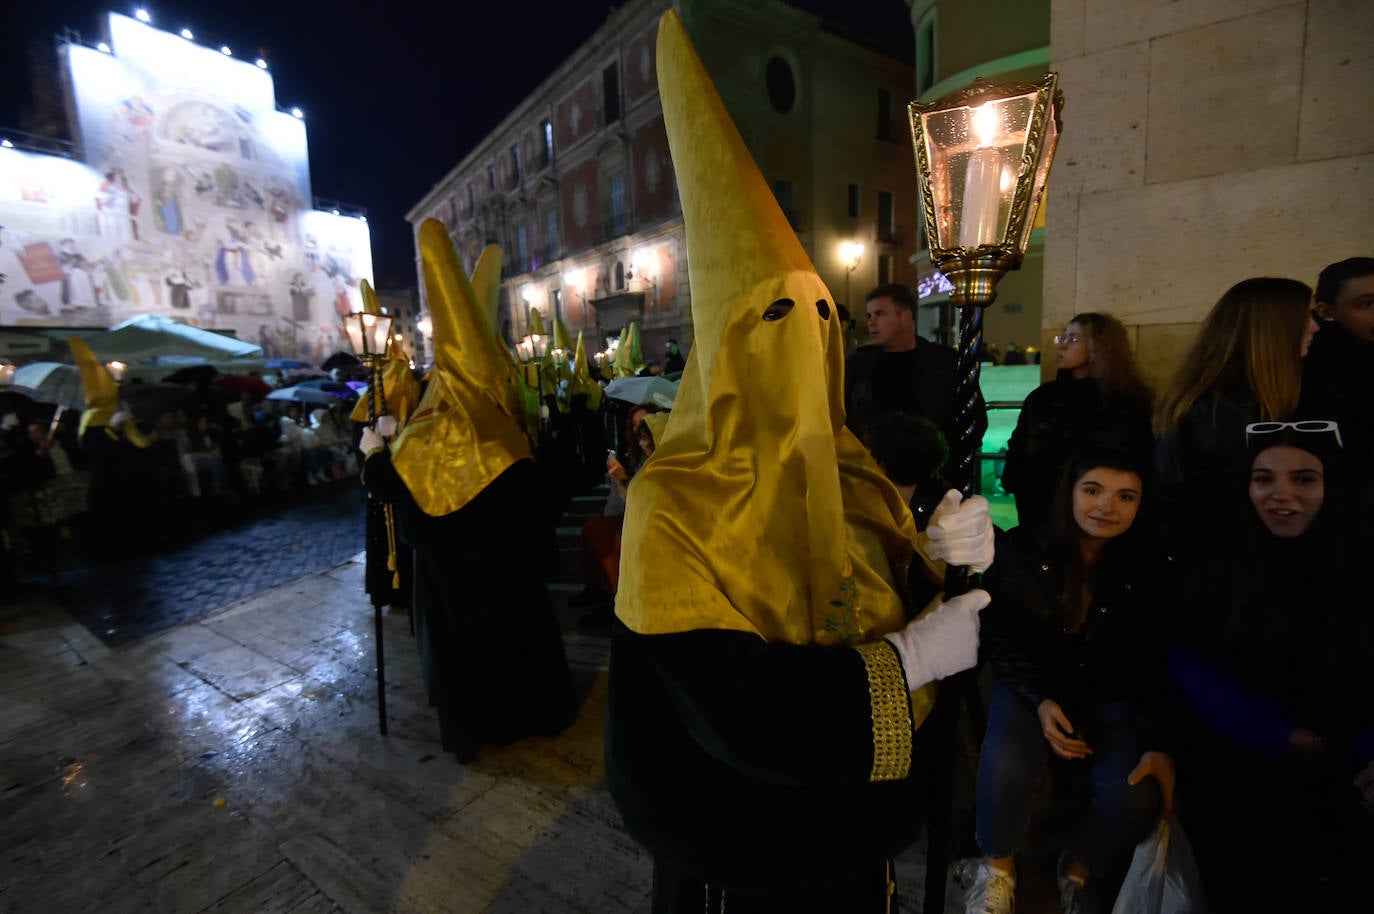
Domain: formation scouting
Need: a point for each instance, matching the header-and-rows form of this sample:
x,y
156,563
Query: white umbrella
x,y
303,395
653,389
51,382
148,336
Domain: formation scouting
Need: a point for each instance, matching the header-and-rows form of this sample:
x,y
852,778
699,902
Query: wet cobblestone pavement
x,y
126,599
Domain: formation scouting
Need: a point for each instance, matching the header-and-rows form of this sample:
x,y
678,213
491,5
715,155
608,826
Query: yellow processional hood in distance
x,y
466,430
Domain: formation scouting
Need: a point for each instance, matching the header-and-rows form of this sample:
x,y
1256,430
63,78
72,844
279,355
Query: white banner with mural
x,y
193,202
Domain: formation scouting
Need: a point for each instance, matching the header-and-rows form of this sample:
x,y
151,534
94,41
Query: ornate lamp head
x,y
983,154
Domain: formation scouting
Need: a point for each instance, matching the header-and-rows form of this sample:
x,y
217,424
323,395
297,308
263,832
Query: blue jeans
x,y
1013,756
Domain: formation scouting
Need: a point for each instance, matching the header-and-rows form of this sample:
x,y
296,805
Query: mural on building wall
x,y
193,202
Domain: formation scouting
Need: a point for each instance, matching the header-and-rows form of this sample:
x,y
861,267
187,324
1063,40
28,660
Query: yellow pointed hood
x,y
536,322
463,434
758,511
486,284
561,338
582,376
97,384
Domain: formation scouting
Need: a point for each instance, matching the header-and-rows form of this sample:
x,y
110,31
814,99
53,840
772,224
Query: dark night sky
x,y
393,99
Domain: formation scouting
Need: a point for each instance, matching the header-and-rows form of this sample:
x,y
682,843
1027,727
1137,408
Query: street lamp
x,y
982,156
851,252
369,332
369,335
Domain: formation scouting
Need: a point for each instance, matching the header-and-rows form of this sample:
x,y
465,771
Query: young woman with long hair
x,y
1275,656
1245,366
1097,399
1076,639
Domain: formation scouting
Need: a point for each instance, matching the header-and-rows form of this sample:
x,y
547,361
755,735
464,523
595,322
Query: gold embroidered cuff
x,y
892,724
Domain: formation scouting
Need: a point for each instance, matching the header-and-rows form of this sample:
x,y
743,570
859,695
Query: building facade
x,y
185,193
1205,143
577,183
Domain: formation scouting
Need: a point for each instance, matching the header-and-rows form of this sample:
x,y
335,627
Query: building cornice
x,y
1021,60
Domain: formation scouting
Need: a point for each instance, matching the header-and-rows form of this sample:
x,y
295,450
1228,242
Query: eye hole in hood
x,y
824,309
778,310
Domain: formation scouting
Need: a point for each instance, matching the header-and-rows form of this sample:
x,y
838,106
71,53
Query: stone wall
x,y
1204,142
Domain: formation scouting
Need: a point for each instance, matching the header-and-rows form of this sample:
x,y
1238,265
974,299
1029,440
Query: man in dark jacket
x,y
898,372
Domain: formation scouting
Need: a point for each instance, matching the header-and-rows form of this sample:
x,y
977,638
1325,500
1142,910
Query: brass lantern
x,y
982,155
368,335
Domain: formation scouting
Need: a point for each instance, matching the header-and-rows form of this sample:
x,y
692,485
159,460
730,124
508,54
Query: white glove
x,y
960,532
370,442
386,426
942,641
117,420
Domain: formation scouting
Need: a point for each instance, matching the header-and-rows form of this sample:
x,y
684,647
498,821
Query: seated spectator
x,y
1274,657
1076,638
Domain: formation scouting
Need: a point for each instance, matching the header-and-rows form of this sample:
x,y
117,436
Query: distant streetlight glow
x,y
6,144
297,113
262,64
142,16
186,33
103,48
363,220
334,211
224,49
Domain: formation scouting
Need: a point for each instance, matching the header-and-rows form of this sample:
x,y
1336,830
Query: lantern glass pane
x,y
975,155
1042,173
354,328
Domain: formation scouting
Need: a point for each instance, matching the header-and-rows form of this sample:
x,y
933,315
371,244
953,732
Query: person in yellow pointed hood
x,y
474,506
759,732
582,382
467,429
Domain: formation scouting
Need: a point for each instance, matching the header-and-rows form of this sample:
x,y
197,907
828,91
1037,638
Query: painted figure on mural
x,y
232,264
78,279
136,119
180,285
167,202
116,205
301,293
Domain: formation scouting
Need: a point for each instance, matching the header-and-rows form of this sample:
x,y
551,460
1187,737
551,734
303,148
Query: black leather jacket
x,y
1120,651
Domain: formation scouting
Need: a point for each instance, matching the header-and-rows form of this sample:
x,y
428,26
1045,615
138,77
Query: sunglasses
x,y
1064,339
1316,426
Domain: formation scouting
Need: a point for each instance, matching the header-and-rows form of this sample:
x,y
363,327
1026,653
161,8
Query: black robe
x,y
489,643
749,767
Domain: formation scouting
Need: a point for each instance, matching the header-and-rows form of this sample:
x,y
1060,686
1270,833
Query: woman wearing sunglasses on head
x,y
1245,366
1097,399
1275,657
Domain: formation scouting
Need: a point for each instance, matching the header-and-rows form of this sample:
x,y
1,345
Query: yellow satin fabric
x,y
467,429
97,384
758,511
582,382
486,285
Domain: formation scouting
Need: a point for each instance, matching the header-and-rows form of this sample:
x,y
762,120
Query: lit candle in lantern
x,y
983,190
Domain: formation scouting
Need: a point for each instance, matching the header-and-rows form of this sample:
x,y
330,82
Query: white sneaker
x,y
993,891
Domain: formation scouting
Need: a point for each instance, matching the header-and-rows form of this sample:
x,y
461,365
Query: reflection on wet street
x,y
233,763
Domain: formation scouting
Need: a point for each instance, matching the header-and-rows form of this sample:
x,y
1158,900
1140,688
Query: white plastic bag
x,y
1163,878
